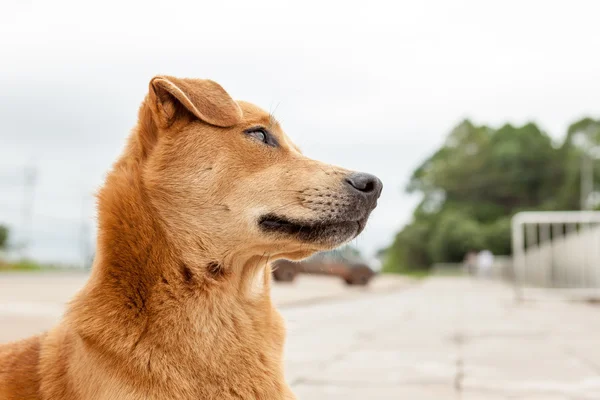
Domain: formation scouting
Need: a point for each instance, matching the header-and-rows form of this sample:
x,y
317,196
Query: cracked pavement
x,y
447,338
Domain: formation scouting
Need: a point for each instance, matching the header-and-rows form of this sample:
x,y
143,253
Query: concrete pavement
x,y
444,338
449,338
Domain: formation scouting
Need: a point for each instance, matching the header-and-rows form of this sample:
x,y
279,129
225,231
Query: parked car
x,y
346,264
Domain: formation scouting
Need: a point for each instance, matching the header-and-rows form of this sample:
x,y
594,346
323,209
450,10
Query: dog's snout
x,y
367,184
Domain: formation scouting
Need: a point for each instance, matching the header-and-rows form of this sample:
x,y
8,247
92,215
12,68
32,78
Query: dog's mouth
x,y
318,232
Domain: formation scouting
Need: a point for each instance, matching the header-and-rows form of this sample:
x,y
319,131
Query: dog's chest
x,y
224,360
238,378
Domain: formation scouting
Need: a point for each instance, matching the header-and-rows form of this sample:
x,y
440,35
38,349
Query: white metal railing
x,y
557,249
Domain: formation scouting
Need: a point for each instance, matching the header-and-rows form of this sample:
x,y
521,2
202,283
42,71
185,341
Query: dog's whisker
x,y
283,191
285,205
272,120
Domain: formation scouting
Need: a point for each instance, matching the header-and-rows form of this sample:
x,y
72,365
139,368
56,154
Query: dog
x,y
207,193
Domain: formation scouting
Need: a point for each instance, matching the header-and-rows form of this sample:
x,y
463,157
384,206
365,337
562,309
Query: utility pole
x,y
589,152
587,179
30,181
85,235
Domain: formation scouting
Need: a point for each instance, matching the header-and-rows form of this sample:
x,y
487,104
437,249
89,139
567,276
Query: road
x,y
443,338
448,338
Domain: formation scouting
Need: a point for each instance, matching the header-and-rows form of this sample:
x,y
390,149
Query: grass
x,y
419,273
416,274
24,266
411,273
391,267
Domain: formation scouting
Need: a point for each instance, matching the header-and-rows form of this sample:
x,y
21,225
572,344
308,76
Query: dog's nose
x,y
367,184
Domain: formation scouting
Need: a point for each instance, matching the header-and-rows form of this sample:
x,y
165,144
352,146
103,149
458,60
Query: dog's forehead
x,y
255,114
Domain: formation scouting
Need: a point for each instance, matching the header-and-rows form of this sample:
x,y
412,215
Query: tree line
x,y
480,177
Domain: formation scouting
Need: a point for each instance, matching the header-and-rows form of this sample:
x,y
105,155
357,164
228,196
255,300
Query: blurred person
x,y
470,262
485,261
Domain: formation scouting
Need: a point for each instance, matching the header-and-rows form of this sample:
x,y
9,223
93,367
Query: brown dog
x,y
207,193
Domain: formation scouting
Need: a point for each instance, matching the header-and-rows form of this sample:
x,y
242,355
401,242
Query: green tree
x,y
478,179
497,236
409,250
3,237
455,234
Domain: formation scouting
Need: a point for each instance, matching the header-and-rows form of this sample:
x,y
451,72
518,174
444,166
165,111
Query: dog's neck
x,y
140,286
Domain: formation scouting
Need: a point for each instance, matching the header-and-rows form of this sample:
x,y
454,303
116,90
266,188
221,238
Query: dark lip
x,y
312,231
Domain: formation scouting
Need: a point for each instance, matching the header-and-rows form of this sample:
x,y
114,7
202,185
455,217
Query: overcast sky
x,y
368,85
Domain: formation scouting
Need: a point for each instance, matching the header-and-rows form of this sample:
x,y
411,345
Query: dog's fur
x,y
178,303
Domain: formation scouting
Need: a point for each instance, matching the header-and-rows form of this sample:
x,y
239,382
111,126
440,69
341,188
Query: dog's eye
x,y
262,135
258,134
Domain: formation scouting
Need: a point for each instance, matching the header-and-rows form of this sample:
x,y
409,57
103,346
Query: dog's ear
x,y
205,99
